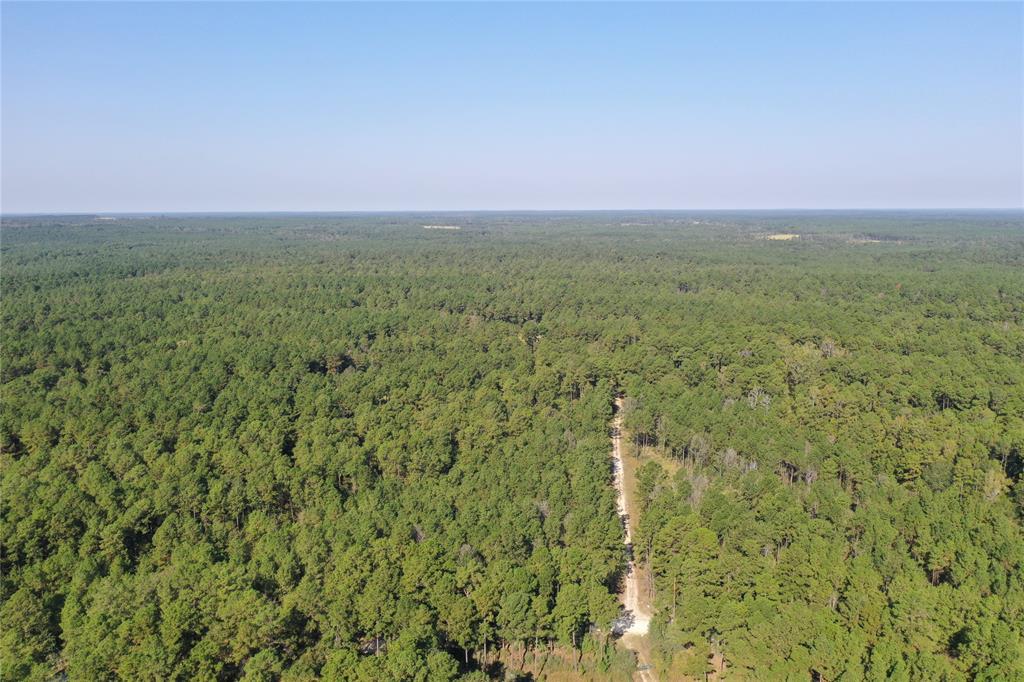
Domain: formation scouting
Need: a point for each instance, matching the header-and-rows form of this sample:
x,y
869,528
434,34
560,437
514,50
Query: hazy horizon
x,y
469,211
129,108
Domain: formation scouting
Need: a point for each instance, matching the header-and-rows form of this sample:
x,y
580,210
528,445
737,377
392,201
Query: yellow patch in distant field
x,y
783,237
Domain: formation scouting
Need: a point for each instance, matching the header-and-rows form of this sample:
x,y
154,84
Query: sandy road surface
x,y
636,619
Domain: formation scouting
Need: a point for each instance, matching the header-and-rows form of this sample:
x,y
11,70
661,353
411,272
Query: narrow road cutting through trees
x,y
635,620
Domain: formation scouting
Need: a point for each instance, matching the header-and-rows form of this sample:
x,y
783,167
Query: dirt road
x,y
636,619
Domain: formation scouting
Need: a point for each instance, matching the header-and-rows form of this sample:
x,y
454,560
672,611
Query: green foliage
x,y
289,447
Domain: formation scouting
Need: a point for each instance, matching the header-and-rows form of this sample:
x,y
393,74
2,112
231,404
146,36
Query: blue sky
x,y
291,106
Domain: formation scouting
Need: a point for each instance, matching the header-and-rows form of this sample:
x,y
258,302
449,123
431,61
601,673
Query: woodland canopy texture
x,y
347,447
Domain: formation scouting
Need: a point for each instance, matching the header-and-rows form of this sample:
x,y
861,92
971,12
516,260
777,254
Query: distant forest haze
x,y
289,447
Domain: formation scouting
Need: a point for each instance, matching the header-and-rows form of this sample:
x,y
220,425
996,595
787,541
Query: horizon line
x,y
194,212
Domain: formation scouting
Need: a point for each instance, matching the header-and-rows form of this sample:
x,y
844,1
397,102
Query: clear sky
x,y
204,107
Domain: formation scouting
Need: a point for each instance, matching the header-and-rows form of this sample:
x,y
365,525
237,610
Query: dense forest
x,y
348,447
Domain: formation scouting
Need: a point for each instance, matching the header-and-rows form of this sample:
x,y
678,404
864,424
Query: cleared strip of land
x,y
636,618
